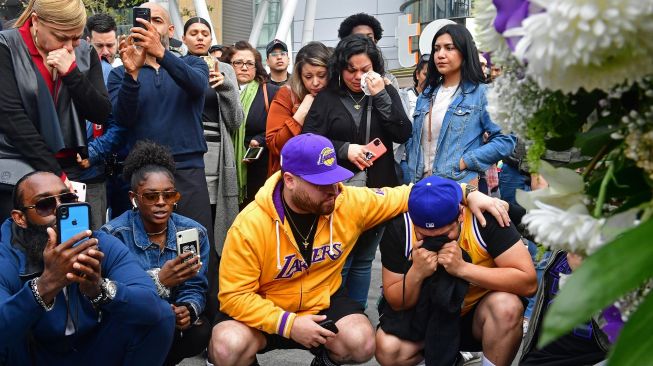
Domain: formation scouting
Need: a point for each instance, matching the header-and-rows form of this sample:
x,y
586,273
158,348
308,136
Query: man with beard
x,y
160,97
281,263
60,304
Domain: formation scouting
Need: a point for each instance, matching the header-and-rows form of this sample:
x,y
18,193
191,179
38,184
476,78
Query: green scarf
x,y
246,99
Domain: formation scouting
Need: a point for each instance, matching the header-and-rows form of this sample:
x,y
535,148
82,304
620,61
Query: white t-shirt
x,y
433,124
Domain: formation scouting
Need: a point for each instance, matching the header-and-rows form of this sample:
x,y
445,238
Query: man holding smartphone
x,y
160,97
110,309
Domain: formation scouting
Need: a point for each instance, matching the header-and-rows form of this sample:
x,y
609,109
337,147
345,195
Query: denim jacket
x,y
461,135
129,228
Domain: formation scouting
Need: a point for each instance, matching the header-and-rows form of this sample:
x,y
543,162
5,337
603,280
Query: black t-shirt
x,y
211,112
394,251
303,227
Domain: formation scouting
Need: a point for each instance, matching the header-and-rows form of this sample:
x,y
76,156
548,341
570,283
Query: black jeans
x,y
190,342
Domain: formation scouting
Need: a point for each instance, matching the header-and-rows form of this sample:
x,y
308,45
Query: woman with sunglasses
x,y
51,83
256,94
340,113
293,101
450,116
150,230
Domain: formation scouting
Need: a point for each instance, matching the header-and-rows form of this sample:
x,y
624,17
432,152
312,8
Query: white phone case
x,y
188,240
80,190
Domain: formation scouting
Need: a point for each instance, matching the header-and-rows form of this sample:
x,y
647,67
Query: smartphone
x,y
210,62
143,13
329,325
80,190
188,241
253,153
72,219
376,149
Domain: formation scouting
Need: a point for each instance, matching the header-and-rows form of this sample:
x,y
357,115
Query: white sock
x,y
486,362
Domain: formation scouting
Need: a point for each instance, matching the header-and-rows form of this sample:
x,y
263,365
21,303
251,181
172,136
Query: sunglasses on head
x,y
152,198
425,57
46,205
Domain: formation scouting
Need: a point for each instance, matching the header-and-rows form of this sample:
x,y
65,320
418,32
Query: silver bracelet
x,y
161,290
37,296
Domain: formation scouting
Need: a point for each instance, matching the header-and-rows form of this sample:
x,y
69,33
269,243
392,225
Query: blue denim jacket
x,y
129,228
461,135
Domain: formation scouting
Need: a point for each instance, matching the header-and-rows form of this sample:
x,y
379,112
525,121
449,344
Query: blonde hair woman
x,y
293,101
51,83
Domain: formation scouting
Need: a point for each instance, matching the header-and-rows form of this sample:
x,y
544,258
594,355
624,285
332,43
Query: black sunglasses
x,y
46,205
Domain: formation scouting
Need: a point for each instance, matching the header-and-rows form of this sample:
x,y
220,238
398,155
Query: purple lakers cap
x,y
433,202
313,158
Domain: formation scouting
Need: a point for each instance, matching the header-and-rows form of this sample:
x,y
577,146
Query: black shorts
x,y
467,341
341,306
398,323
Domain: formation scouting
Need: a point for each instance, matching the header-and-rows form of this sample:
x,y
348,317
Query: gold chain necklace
x,y
304,239
357,104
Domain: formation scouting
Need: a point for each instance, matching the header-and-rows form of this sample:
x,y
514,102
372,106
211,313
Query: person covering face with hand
x,y
51,82
89,283
500,273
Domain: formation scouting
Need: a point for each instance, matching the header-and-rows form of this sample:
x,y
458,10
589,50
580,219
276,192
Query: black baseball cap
x,y
275,44
216,47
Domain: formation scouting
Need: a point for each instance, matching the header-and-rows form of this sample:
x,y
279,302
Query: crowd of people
x,y
291,183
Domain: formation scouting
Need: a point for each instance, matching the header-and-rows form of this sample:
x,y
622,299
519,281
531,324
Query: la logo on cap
x,y
327,157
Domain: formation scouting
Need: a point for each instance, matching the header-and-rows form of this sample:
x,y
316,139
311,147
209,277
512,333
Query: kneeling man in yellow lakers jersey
x,y
280,272
498,272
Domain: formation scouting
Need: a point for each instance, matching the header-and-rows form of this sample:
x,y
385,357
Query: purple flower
x,y
510,14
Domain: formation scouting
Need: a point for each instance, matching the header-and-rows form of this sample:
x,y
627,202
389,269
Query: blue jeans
x,y
510,179
357,273
113,342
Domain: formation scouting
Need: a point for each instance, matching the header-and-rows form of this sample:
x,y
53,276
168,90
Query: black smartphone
x,y
329,325
253,153
143,13
72,219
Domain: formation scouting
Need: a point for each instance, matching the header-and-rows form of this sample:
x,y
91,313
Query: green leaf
x,y
613,270
634,344
592,141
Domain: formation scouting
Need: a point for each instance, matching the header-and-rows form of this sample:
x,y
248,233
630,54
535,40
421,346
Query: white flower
x,y
565,190
489,40
573,230
513,100
588,44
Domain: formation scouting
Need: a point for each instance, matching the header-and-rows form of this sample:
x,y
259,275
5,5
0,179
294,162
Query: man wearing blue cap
x,y
280,273
499,274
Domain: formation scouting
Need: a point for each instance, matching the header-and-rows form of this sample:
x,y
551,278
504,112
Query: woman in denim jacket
x,y
451,116
149,230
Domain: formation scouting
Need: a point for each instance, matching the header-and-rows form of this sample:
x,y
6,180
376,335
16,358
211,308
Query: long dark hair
x,y
470,69
349,46
261,75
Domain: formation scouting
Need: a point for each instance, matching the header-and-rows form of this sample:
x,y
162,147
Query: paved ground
x,y
303,358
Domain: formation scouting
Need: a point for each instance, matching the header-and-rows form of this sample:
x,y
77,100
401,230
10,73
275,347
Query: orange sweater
x,y
281,126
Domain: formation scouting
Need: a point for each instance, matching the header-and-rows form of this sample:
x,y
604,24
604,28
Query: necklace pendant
x,y
357,106
305,244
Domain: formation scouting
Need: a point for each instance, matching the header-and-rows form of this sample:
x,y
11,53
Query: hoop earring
x,y
174,207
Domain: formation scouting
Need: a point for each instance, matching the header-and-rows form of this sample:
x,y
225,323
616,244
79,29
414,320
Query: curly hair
x,y
148,157
261,75
353,21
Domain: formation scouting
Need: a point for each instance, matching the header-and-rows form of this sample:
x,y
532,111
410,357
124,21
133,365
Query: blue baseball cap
x,y
434,202
313,158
